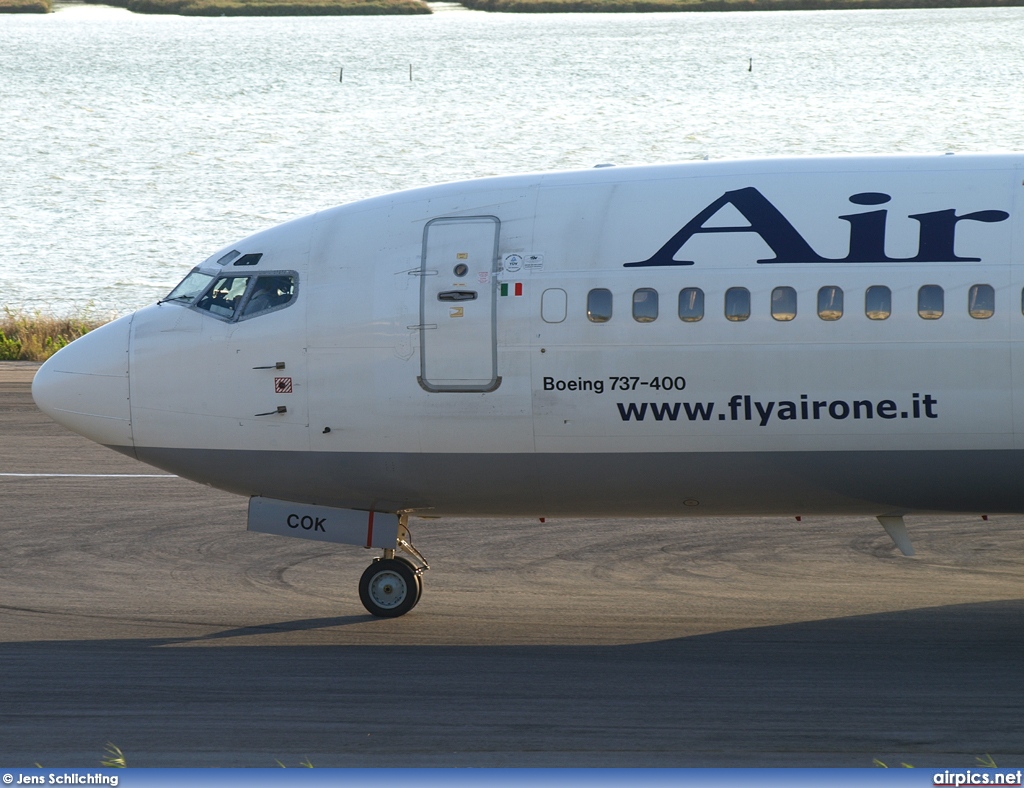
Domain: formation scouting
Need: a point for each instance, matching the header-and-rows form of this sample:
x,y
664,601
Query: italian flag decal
x,y
511,288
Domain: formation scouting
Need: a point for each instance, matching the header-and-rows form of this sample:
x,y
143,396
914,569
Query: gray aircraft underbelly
x,y
659,484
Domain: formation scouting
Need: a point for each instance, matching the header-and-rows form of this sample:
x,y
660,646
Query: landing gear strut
x,y
391,586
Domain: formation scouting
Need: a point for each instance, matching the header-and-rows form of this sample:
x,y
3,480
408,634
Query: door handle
x,y
457,295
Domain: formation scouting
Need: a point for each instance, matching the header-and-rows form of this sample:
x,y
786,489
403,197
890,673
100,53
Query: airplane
x,y
779,336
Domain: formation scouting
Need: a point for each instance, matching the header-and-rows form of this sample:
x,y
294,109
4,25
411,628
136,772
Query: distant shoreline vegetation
x,y
239,7
270,7
382,7
25,6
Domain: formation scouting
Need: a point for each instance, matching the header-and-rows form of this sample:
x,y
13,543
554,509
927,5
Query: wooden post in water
x,y
410,72
341,76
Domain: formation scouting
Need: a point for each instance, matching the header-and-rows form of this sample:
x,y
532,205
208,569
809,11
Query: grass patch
x,y
114,758
25,6
985,761
271,7
32,336
634,6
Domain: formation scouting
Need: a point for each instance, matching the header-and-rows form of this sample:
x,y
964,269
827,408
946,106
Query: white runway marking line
x,y
95,475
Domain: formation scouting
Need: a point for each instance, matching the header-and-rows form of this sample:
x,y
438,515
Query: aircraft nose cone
x,y
84,386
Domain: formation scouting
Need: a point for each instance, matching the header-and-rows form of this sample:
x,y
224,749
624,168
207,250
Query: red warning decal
x,y
282,385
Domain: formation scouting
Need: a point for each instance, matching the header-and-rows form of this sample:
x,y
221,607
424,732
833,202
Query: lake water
x,y
133,146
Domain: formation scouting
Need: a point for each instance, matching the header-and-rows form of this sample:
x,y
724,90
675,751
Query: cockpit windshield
x,y
224,297
189,288
234,298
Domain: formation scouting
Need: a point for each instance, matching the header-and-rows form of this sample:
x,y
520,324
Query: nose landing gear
x,y
392,585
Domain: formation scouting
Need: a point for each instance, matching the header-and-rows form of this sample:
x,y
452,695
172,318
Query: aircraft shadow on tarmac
x,y
933,686
300,625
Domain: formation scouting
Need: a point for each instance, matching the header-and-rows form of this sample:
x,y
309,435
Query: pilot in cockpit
x,y
269,292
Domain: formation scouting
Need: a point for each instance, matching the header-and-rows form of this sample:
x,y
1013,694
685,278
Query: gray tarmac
x,y
139,611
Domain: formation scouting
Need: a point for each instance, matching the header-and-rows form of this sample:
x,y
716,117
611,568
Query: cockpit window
x,y
234,298
189,288
224,298
269,292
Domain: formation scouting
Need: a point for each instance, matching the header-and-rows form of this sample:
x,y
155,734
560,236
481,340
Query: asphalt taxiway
x,y
137,610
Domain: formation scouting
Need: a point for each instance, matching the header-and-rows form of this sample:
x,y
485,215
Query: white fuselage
x,y
536,345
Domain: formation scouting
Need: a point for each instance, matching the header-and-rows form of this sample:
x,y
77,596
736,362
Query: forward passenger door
x,y
458,329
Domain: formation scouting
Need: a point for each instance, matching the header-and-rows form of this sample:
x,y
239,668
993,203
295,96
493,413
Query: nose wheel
x,y
391,586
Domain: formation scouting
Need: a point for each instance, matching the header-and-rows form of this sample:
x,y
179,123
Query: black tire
x,y
389,588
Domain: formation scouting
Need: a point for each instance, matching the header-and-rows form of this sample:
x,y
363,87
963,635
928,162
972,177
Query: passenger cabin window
x,y
981,302
691,304
189,288
599,305
930,302
225,296
737,304
783,303
269,292
878,302
645,305
830,303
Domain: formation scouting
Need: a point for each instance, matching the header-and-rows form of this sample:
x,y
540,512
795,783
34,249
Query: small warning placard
x,y
282,385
